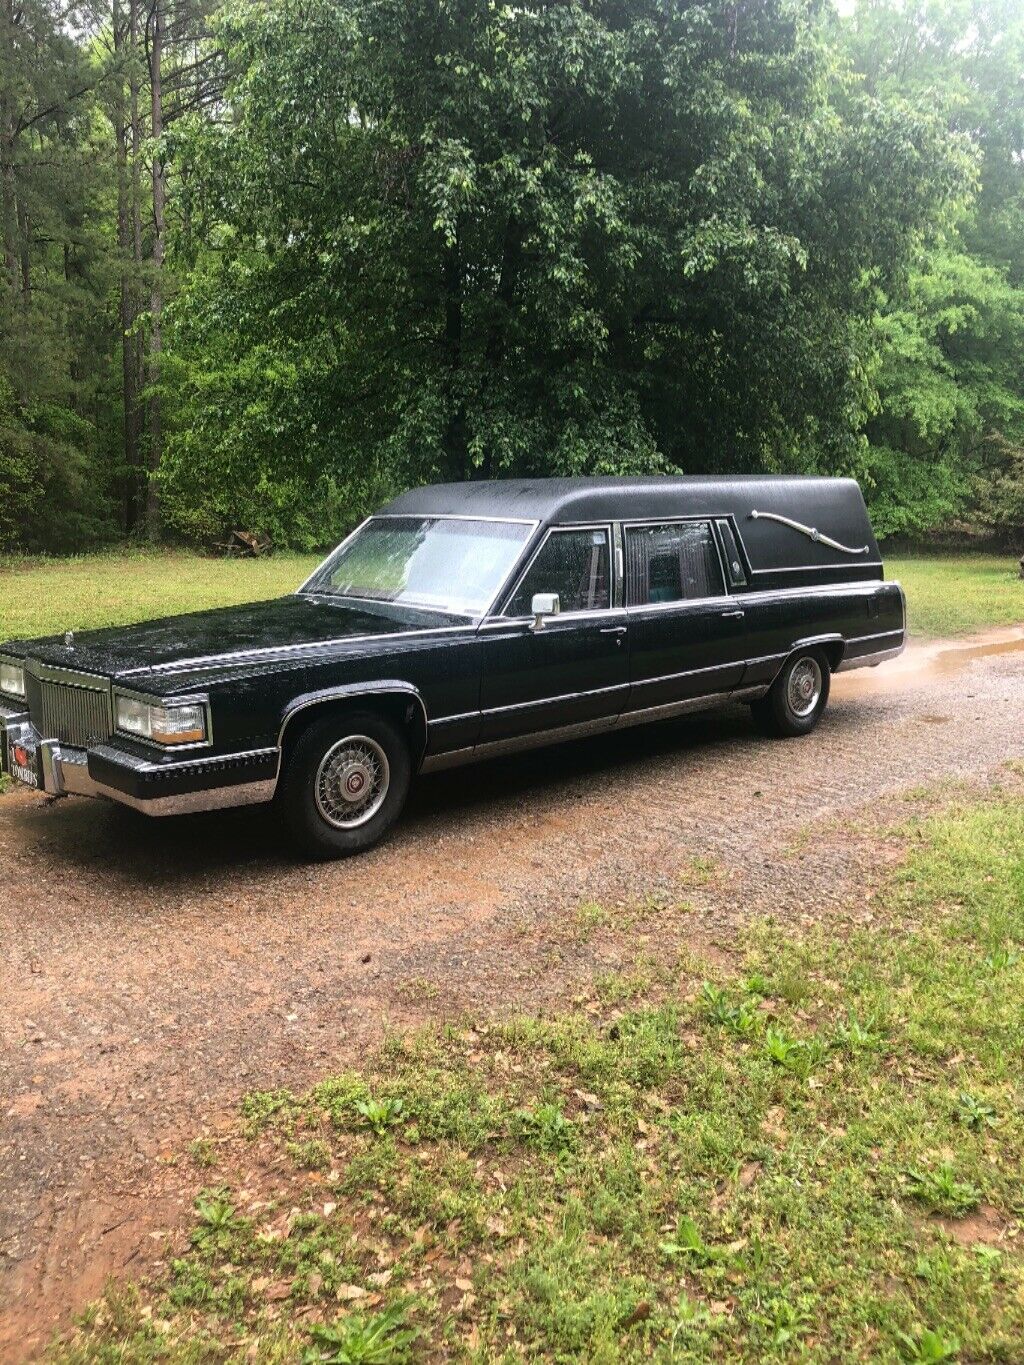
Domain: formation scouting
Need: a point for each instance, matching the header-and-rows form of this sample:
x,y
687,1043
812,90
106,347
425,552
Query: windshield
x,y
441,563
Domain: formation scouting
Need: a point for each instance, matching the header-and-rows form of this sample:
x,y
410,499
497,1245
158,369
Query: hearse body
x,y
462,621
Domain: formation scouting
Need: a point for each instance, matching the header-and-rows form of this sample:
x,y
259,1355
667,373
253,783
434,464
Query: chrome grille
x,y
75,709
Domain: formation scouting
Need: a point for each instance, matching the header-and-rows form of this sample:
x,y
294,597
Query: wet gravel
x,y
152,972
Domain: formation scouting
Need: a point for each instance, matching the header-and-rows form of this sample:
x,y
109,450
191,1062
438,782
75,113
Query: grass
x,y
42,596
946,595
954,595
814,1156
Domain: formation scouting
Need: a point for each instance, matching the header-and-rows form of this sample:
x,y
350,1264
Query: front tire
x,y
797,698
344,784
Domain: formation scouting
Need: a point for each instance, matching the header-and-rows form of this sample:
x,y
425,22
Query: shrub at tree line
x,y
267,264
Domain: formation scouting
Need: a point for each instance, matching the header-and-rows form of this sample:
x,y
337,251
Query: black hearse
x,y
458,622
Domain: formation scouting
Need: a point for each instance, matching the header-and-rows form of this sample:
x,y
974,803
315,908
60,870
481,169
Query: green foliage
x,y
786,1208
575,239
947,436
58,404
363,1339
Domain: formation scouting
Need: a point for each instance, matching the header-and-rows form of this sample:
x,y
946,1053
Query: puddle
x,y
929,662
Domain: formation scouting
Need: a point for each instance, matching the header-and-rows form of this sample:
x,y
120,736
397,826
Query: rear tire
x,y
797,698
344,784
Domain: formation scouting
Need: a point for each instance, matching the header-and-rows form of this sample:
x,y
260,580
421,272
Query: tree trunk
x,y
129,241
455,444
156,301
8,185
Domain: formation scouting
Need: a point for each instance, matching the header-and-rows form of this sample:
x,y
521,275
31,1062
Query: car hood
x,y
206,638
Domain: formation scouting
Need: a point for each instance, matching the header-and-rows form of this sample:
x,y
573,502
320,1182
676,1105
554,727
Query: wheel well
x,y
833,651
402,708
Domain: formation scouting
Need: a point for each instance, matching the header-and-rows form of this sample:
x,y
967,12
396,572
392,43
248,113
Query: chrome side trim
x,y
673,708
143,765
824,568
832,637
861,586
537,739
552,701
880,635
580,617
811,532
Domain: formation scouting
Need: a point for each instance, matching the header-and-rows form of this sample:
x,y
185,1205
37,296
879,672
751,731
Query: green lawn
x,y
813,1154
946,595
953,595
42,596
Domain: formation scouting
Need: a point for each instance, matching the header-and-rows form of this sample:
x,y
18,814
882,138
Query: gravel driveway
x,y
152,972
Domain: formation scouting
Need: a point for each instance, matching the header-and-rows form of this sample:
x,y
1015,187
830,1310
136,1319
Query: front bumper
x,y
166,788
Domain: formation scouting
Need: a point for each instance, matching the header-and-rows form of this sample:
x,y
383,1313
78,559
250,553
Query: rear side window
x,y
671,563
733,559
573,564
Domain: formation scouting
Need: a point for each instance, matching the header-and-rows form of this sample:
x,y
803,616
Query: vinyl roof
x,y
597,498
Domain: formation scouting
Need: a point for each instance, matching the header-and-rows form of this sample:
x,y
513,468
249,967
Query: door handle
x,y
613,630
734,615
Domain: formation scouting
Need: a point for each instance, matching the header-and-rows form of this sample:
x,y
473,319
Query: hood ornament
x,y
69,639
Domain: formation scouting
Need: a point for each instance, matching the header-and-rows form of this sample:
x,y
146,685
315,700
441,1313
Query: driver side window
x,y
574,564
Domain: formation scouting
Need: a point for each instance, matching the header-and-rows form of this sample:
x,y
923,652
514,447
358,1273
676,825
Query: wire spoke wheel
x,y
803,690
352,782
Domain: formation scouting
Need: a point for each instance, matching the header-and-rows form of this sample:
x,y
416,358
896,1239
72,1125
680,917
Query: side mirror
x,y
544,604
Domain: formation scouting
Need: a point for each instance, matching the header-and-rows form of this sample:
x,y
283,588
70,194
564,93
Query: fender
x,y
807,643
381,687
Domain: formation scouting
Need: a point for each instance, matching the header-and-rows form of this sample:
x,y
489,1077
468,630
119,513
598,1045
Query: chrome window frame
x,y
745,565
508,595
473,620
709,518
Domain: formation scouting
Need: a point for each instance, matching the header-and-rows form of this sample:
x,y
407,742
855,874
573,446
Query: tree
x,y
456,240
947,442
54,332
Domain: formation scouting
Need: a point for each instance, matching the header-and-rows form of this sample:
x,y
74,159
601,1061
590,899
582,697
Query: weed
x,y
363,1339
216,1220
202,1152
739,1017
856,1036
942,1191
927,1346
789,1053
547,1128
688,1244
312,1155
974,1112
380,1115
1001,960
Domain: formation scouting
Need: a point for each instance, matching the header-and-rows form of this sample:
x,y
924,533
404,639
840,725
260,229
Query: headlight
x,y
12,680
161,724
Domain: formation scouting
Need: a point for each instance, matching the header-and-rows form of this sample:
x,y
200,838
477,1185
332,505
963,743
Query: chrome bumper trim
x,y
65,772
872,660
191,803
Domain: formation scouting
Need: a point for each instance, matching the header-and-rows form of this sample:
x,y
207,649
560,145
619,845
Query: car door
x,y
686,637
572,669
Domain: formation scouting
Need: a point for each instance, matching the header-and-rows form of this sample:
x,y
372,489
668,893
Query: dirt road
x,y
152,972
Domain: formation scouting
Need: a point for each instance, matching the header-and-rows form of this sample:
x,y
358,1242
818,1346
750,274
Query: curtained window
x,y
671,563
